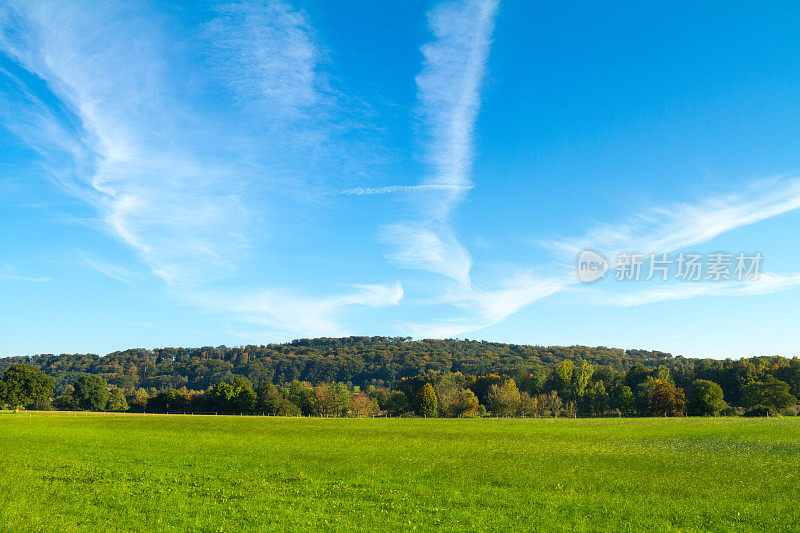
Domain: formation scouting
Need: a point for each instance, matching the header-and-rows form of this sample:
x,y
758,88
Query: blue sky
x,y
242,173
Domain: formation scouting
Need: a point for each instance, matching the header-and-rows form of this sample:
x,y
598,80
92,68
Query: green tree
x,y
268,399
168,401
447,387
244,397
91,392
706,398
536,382
24,385
138,400
427,404
627,403
397,403
66,402
465,404
553,403
581,376
562,379
504,400
116,400
769,392
598,398
528,405
301,394
220,396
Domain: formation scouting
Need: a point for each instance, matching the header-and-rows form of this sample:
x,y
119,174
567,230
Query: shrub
x,y
761,410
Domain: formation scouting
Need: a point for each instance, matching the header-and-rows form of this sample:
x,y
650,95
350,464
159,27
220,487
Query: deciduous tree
x,y
706,398
24,384
91,392
427,404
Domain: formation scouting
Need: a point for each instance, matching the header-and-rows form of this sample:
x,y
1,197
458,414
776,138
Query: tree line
x,y
423,378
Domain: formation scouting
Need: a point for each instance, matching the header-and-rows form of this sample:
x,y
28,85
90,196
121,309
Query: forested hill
x,y
357,360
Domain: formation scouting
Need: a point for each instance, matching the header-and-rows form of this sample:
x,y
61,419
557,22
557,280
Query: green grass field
x,y
65,472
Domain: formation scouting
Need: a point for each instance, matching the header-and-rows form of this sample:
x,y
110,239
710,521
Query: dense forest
x,y
365,376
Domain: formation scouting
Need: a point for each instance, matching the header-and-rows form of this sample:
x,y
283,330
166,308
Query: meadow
x,y
61,472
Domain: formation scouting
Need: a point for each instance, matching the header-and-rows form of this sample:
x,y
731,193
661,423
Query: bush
x,y
792,410
731,411
286,408
761,410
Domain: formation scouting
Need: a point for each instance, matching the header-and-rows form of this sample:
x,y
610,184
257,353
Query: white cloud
x,y
7,273
485,307
129,118
149,176
675,227
117,272
189,180
264,52
391,189
288,311
668,228
431,247
664,229
448,93
767,283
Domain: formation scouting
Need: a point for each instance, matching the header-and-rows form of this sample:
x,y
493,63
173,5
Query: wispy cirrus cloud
x,y
681,226
112,100
767,283
431,246
484,307
391,189
297,313
155,190
668,228
448,94
665,228
449,97
264,53
7,273
114,271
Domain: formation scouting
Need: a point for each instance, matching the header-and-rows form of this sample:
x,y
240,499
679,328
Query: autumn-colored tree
x,y
268,399
666,400
363,405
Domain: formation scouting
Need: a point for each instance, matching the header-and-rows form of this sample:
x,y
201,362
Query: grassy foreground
x,y
64,472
